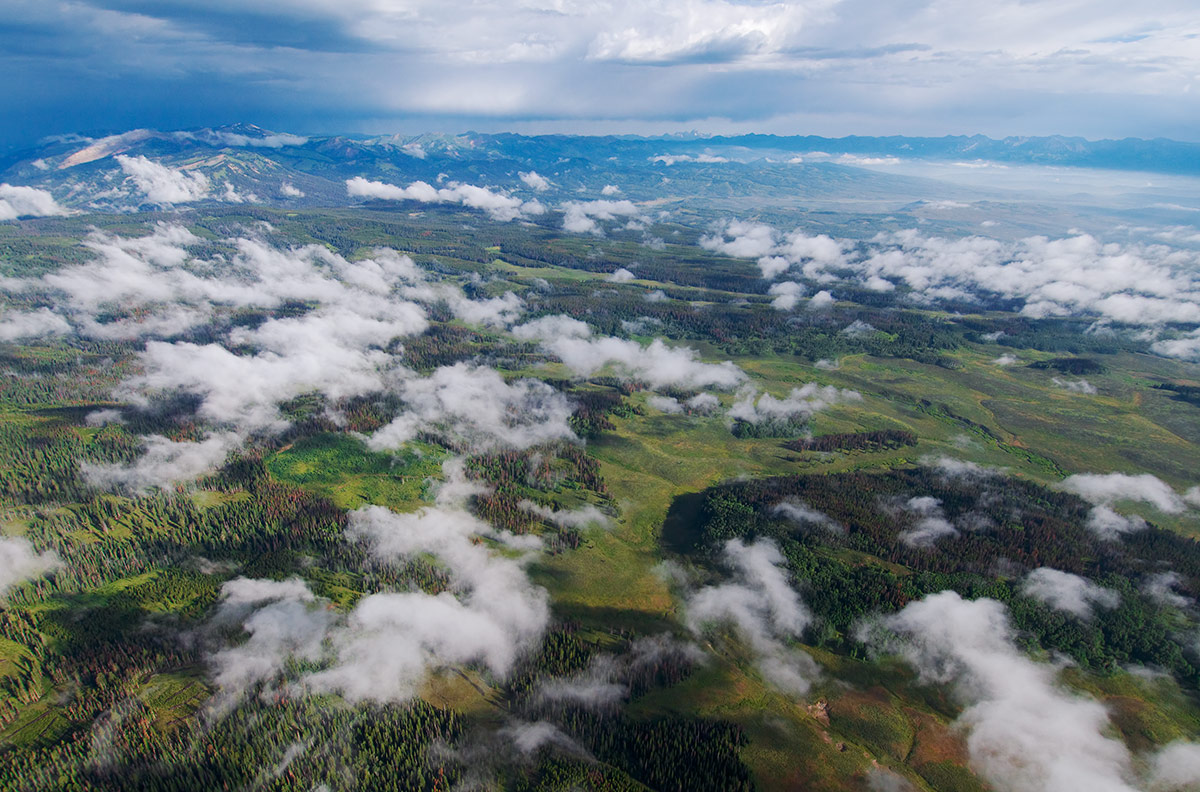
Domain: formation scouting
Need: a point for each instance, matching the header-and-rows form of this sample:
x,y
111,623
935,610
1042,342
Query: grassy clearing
x,y
341,468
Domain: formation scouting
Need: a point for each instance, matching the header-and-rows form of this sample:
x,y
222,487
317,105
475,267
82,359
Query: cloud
x,y
1175,768
610,190
1006,360
163,463
804,515
1132,283
283,620
1160,587
1066,592
821,300
1106,488
858,329
620,275
742,240
20,562
535,181
220,137
1075,386
787,294
164,185
474,404
672,159
580,216
390,640
548,328
339,348
764,609
880,779
289,190
32,324
608,68
656,364
385,646
608,679
777,253
800,404
498,205
244,391
953,468
665,404
1185,347
582,517
703,404
17,201
1024,732
931,523
1109,525
854,159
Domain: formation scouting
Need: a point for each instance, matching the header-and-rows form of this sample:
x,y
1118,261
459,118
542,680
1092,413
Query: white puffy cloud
x,y
620,275
32,324
535,181
580,216
498,205
1132,283
548,328
1067,592
742,240
163,463
20,562
220,137
703,404
777,253
1025,733
390,641
607,679
764,609
953,468
786,294
931,523
383,649
1175,768
821,300
475,405
339,348
800,404
1160,587
804,515
703,159
656,364
245,390
1106,488
610,190
1075,386
289,190
1185,347
1109,525
283,620
17,201
581,517
162,184
665,404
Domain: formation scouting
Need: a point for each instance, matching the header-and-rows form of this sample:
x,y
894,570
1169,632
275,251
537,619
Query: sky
x,y
1096,68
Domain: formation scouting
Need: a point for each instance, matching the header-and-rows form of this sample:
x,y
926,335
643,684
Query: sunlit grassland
x,y
343,469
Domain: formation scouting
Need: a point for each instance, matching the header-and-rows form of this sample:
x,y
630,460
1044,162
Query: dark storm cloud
x,y
822,66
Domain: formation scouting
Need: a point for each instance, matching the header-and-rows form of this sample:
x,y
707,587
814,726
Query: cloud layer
x,y
1079,275
1025,733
